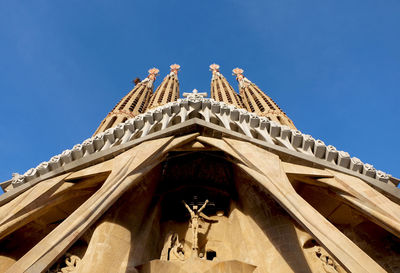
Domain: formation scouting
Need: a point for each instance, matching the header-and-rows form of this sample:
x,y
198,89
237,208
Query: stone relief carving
x,y
195,216
176,249
194,220
167,247
173,248
318,254
328,263
71,262
176,252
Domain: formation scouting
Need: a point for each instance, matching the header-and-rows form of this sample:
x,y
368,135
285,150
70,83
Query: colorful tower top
x,y
168,90
258,102
221,90
175,68
134,103
214,68
153,73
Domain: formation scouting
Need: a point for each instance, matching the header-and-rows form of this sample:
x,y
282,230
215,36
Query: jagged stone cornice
x,y
211,111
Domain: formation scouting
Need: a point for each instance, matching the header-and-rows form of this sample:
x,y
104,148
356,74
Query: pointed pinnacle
x,y
153,73
238,72
214,68
175,68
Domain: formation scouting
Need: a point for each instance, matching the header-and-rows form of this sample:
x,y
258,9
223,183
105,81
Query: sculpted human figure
x,y
194,219
176,248
177,251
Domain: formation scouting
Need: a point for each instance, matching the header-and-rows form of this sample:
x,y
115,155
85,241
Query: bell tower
x,y
168,90
221,90
134,103
258,102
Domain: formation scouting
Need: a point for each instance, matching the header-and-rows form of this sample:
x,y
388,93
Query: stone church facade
x,y
196,184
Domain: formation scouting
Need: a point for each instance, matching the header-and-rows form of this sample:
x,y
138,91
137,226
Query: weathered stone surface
x,y
199,185
126,222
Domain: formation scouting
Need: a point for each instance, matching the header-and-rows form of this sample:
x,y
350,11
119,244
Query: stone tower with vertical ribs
x,y
133,104
220,184
258,102
221,90
168,90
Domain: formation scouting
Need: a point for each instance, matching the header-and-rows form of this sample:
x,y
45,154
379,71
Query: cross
x,y
195,94
195,202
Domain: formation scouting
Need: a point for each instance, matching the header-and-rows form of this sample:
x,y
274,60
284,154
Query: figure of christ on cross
x,y
194,219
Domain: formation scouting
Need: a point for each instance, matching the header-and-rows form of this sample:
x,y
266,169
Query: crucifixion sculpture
x,y
194,219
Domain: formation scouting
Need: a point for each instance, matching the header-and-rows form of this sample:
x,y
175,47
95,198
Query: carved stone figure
x,y
173,248
167,246
177,252
194,219
72,262
328,263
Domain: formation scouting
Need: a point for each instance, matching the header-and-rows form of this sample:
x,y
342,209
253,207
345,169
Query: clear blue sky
x,y
333,66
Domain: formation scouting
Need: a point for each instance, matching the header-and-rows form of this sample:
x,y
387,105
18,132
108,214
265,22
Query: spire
x,y
221,90
134,103
175,68
168,90
153,73
258,102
